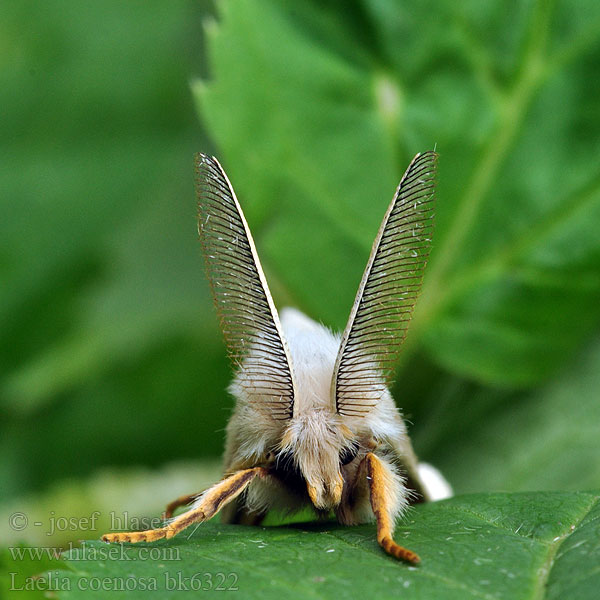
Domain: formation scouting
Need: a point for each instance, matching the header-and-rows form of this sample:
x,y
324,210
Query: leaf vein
x,y
546,569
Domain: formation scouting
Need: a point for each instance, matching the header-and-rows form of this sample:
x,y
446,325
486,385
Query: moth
x,y
314,421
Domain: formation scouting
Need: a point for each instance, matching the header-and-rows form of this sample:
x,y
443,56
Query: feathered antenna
x,y
387,293
248,316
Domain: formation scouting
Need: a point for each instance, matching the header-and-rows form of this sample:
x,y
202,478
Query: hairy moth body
x,y
314,422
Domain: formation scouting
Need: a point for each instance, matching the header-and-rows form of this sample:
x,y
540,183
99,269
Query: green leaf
x,y
541,440
495,546
109,339
21,569
316,114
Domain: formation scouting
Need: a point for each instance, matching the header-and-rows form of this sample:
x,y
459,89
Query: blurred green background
x,y
112,368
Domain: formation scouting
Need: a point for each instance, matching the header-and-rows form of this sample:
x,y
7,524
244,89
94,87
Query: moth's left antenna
x,y
248,316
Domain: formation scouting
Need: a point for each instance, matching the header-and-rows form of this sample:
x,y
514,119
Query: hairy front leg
x,y
380,481
208,505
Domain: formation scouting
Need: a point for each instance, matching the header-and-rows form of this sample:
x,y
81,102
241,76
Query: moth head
x,y
317,445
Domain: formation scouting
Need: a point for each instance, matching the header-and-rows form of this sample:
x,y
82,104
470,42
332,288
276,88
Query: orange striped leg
x,y
379,480
181,501
209,505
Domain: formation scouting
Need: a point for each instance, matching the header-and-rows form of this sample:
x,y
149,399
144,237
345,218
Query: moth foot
x,y
397,551
136,536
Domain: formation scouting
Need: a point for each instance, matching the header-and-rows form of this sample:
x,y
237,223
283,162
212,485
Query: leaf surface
x,y
492,546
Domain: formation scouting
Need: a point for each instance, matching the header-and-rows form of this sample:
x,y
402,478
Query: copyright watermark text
x,y
20,521
56,581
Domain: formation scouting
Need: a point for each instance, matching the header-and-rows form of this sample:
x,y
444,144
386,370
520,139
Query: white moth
x,y
314,422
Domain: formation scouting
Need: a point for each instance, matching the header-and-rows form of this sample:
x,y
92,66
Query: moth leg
x,y
181,501
209,504
378,478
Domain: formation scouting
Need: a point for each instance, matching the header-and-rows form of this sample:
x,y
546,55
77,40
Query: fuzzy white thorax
x,y
316,433
313,350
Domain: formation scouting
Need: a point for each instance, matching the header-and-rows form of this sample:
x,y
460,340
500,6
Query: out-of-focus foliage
x,y
109,352
316,112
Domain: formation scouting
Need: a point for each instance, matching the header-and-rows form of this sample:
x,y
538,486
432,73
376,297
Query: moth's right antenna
x,y
387,293
248,316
